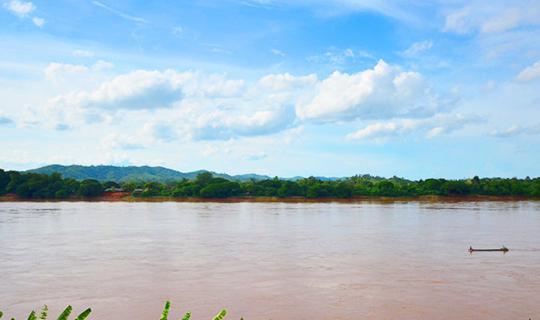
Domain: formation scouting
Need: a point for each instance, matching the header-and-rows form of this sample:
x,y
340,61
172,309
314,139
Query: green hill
x,y
132,173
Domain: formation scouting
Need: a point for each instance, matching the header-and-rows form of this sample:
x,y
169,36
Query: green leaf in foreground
x,y
221,315
32,316
187,316
84,314
1,314
65,314
44,311
166,309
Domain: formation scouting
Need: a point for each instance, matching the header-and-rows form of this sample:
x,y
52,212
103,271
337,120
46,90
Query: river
x,y
365,260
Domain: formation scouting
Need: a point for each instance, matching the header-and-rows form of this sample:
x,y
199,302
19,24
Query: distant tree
x,y
152,189
111,184
4,180
203,178
289,189
385,188
343,190
90,188
221,190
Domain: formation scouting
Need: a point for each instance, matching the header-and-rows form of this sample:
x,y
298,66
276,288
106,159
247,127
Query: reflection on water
x,y
405,260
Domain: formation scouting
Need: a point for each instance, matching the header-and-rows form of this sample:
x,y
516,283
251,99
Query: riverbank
x,y
127,197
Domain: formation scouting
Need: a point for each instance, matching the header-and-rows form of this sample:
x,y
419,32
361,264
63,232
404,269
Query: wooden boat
x,y
503,249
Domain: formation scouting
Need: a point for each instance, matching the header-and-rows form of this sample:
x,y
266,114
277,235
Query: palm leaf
x,y
32,316
165,312
187,316
44,311
221,315
65,314
84,314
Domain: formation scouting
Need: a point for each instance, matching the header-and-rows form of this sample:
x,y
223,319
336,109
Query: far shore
x,y
126,197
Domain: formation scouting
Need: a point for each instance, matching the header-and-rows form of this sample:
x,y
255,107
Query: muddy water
x,y
272,260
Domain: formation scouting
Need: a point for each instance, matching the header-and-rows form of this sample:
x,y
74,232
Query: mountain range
x,y
133,173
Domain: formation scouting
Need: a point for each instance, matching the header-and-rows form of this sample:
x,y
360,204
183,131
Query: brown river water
x,y
366,260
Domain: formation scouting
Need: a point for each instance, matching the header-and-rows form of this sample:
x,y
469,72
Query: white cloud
x,y
20,8
277,52
459,21
382,92
55,69
115,141
530,73
286,81
102,65
159,132
516,131
220,125
418,47
39,22
339,57
139,89
430,127
119,13
83,54
492,16
143,89
198,106
23,9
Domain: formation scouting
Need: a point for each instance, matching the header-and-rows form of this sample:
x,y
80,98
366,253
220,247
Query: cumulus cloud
x,y
55,69
430,127
530,73
137,90
20,8
121,142
143,89
382,92
219,125
23,9
418,47
286,81
160,132
200,106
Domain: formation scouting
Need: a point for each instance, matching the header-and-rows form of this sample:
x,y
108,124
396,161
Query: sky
x,y
416,89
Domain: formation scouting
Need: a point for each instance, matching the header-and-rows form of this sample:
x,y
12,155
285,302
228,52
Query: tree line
x,y
205,185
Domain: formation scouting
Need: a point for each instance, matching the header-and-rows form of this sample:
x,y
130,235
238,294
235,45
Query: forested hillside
x,y
131,173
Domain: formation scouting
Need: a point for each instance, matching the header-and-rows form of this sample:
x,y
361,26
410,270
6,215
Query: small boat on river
x,y
502,249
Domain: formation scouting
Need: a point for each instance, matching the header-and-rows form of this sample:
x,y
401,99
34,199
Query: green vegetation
x,y
206,185
63,316
67,312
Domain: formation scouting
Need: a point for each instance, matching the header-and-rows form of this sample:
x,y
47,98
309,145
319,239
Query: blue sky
x,y
443,88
